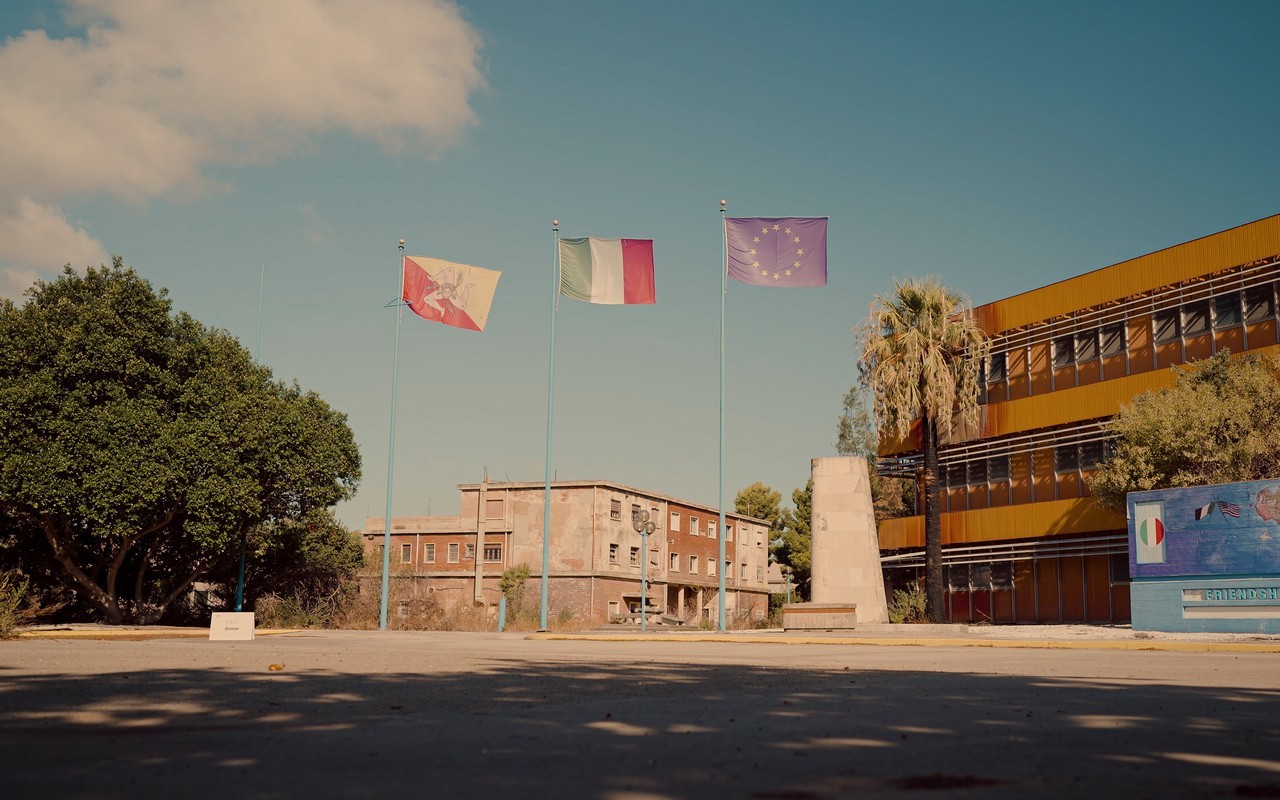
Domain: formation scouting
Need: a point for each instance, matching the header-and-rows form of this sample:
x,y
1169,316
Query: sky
x,y
220,147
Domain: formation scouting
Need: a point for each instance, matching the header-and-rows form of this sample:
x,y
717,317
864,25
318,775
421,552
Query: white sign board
x,y
231,626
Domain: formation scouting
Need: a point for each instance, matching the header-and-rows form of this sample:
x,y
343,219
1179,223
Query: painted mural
x,y
1225,529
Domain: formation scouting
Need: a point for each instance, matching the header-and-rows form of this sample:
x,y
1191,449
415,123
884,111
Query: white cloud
x,y
29,232
155,92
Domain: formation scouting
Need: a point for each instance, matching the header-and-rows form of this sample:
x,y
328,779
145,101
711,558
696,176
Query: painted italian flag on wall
x,y
609,271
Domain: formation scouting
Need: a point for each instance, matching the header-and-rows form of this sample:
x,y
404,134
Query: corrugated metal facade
x,y
1182,262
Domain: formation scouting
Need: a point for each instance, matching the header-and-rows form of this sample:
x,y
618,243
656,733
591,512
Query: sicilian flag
x,y
1230,509
777,251
1204,511
607,271
1148,529
458,295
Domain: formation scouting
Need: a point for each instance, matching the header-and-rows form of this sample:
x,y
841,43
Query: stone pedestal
x,y
846,585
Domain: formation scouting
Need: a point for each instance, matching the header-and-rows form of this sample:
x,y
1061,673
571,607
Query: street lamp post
x,y
641,523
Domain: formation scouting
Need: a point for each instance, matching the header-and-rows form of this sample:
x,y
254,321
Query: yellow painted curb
x,y
886,641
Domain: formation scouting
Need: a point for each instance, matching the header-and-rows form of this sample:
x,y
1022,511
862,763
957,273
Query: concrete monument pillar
x,y
846,585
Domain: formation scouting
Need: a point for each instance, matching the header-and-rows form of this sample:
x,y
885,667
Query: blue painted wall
x,y
1206,558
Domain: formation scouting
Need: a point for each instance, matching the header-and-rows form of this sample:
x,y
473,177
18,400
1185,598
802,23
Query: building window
x,y
1166,326
653,517
980,576
493,553
635,556
759,538
693,565
615,509
613,553
1226,310
1064,351
1066,458
711,567
615,608
742,572
675,521
759,573
997,368
998,468
1195,318
453,552
978,472
635,512
429,553
675,562
693,526
728,533
406,554
956,475
469,553
493,508
1086,346
1113,343
1091,454
1259,303
713,529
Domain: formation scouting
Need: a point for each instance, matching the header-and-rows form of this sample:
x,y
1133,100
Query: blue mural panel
x,y
1230,529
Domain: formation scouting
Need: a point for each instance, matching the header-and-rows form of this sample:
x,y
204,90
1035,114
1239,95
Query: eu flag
x,y
777,251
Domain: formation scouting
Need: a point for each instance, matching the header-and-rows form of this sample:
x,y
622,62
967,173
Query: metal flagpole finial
x,y
402,244
555,224
723,203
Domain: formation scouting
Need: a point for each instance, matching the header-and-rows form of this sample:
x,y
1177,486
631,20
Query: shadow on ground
x,y
553,730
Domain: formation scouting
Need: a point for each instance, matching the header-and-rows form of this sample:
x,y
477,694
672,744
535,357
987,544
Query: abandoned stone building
x,y
596,557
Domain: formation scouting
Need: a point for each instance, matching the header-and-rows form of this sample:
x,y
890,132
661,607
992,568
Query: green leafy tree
x,y
759,501
856,436
306,559
136,445
921,357
792,547
512,586
1218,423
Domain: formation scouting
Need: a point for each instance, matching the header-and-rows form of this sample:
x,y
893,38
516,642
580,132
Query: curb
x,y
139,634
1025,644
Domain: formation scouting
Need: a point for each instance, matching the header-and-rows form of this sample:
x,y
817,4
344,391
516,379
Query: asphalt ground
x,y
483,715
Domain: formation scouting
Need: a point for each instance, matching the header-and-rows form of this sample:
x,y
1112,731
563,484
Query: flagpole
x,y
551,368
244,534
391,451
724,290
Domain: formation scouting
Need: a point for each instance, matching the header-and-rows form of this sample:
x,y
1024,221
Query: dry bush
x,y
20,606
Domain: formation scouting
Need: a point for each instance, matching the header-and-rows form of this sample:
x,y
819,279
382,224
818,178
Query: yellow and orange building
x,y
1023,540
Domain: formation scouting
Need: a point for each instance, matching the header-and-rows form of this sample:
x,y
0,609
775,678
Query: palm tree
x,y
922,352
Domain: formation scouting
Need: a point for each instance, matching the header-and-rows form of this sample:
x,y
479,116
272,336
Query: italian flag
x,y
609,271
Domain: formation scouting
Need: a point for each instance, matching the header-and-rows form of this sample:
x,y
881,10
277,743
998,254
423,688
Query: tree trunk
x,y
934,578
154,612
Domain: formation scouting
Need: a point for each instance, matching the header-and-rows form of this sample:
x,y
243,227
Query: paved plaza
x,y
476,715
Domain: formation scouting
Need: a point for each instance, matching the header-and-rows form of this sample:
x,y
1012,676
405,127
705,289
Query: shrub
x,y
908,605
14,608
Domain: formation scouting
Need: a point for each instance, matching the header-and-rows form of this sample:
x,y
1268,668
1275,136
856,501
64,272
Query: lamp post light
x,y
643,526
